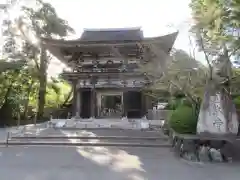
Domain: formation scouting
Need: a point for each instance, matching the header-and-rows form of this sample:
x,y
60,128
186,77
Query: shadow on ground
x,y
101,163
147,163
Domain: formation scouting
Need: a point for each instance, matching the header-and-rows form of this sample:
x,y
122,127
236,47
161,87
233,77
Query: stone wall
x,y
205,148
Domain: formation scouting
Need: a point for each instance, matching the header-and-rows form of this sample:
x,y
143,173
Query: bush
x,y
237,102
183,120
185,102
174,103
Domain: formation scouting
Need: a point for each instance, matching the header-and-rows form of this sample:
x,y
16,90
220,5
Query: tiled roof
x,y
124,34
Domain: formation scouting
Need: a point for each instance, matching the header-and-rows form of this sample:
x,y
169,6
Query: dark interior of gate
x,y
86,103
130,105
133,104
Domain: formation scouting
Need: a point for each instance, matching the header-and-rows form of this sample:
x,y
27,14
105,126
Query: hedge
x,y
183,120
237,102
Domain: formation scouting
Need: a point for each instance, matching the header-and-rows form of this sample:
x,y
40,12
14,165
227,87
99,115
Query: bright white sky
x,y
155,17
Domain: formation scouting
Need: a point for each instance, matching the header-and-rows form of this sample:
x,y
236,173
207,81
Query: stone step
x,y
44,143
92,141
90,137
100,123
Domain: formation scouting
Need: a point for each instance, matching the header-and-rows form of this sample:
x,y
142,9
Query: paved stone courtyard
x,y
92,163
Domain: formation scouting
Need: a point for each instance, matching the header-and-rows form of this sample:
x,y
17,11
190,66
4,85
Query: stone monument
x,y
218,114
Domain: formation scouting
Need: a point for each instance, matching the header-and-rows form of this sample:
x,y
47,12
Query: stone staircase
x,y
105,123
93,137
92,132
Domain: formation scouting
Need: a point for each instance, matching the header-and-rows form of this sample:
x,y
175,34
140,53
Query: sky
x,y
155,17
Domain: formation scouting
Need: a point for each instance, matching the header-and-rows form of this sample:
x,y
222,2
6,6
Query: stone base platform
x,y
123,123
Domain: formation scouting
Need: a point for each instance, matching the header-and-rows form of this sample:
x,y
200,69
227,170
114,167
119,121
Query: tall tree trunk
x,y
25,113
42,82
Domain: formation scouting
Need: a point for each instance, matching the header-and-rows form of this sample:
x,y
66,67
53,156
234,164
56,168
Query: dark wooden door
x,y
86,103
133,104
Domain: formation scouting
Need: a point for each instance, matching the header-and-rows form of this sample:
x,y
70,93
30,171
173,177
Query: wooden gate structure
x,y
107,62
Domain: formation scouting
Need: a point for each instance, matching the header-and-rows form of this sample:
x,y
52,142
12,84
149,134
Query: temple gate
x,y
105,71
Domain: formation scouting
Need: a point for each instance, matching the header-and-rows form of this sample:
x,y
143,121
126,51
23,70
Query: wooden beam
x,y
146,54
92,44
116,51
161,55
140,46
75,56
95,61
102,74
112,53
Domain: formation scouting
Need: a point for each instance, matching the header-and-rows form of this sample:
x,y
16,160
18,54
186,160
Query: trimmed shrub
x,y
173,104
237,102
183,120
185,102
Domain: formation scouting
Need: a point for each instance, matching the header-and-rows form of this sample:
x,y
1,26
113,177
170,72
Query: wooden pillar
x,y
143,103
93,90
93,102
76,100
125,95
74,106
125,105
78,103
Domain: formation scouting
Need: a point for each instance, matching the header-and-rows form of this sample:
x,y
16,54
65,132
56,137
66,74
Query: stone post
x,y
218,113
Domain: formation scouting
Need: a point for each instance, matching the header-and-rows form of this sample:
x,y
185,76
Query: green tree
x,y
217,29
20,69
217,24
183,74
43,22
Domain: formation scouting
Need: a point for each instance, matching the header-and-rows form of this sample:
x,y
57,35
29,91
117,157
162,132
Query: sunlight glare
x,y
119,160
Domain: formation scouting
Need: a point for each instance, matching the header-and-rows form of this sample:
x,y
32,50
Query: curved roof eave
x,y
53,45
168,39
